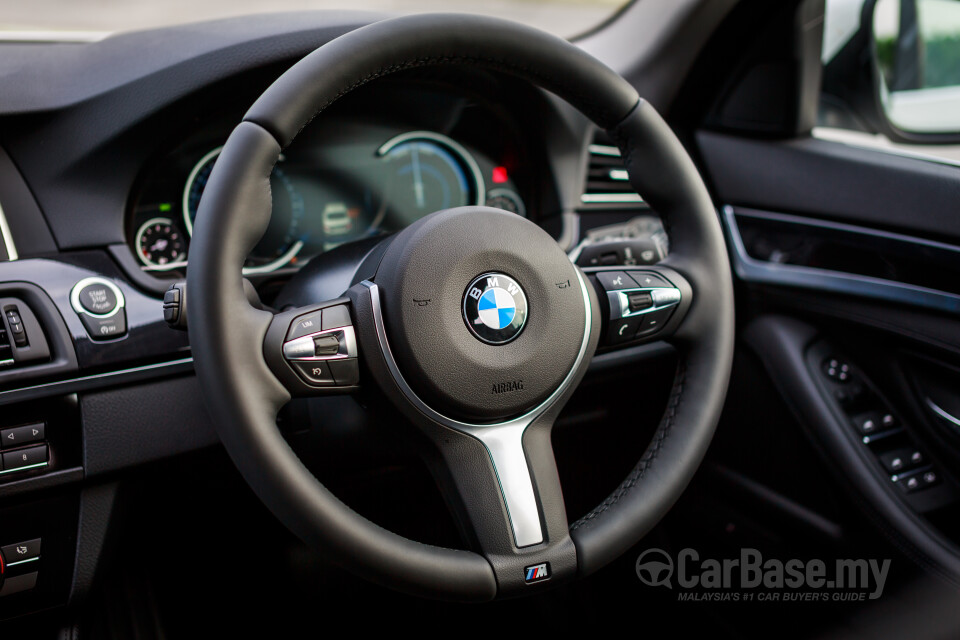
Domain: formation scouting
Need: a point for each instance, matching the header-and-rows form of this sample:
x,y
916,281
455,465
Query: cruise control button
x,y
22,435
105,328
309,323
648,280
654,321
21,551
315,372
614,280
24,457
346,372
336,317
98,298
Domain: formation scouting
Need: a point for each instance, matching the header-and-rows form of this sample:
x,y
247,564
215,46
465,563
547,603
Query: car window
x,y
911,50
566,18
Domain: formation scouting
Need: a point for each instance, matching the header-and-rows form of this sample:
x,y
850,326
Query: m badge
x,y
536,572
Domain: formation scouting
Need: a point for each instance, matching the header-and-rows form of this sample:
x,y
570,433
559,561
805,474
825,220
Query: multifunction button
x,y
321,347
100,305
640,303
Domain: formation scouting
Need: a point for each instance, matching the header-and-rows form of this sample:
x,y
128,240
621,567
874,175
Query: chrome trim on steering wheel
x,y
503,440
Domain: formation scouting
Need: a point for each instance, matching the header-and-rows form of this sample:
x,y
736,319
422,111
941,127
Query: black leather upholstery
x,y
665,176
382,48
227,333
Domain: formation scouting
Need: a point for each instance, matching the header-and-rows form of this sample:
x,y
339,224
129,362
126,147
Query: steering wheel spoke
x,y
502,485
313,350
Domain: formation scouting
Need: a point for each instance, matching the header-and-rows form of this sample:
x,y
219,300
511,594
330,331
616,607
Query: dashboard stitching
x,y
648,457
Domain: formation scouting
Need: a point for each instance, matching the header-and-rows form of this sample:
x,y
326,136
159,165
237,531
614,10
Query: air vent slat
x,y
607,181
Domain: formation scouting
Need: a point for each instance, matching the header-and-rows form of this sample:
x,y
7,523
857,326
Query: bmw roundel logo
x,y
495,308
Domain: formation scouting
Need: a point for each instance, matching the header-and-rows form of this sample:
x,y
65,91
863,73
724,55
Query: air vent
x,y
607,181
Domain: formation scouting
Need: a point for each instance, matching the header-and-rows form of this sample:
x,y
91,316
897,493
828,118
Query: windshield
x,y
565,18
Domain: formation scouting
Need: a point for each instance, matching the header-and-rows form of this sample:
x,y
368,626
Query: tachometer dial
x,y
429,172
281,242
160,246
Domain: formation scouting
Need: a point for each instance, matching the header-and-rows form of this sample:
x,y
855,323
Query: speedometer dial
x,y
282,240
429,172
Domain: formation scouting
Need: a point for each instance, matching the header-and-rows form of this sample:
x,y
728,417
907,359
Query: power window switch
x,y
919,481
874,421
900,460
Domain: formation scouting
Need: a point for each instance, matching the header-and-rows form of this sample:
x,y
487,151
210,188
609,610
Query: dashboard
x,y
347,177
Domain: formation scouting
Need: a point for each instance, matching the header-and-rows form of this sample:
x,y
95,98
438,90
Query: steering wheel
x,y
471,321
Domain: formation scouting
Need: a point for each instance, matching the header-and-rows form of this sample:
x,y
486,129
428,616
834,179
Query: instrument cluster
x,y
343,183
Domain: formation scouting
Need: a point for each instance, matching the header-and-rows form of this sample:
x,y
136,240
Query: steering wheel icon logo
x,y
655,568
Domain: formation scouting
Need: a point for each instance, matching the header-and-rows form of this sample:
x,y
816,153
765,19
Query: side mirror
x,y
898,73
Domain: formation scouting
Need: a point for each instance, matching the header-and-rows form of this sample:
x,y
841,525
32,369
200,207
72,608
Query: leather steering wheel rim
x,y
227,334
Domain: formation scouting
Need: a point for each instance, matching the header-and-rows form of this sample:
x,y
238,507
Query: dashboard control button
x,y
13,553
105,328
336,317
21,458
654,321
15,323
309,323
314,372
97,298
16,584
171,305
649,280
614,280
22,435
99,303
346,372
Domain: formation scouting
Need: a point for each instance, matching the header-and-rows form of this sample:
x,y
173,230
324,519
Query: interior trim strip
x,y
503,440
611,198
7,237
750,269
943,413
97,381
